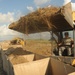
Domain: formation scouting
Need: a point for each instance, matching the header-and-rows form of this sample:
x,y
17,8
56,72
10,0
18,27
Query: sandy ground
x,y
42,47
16,56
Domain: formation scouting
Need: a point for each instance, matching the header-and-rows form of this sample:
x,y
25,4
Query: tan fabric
x,y
67,41
38,67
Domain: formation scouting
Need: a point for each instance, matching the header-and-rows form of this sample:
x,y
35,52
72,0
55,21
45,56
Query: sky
x,y
12,10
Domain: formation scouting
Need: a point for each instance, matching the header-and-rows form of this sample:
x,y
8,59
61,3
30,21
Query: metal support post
x,y
74,39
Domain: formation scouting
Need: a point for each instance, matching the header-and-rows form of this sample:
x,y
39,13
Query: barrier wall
x,y
37,65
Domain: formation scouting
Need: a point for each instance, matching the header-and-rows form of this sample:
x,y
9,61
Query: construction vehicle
x,y
63,21
17,41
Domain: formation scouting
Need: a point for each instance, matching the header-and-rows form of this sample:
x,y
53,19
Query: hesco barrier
x,y
36,65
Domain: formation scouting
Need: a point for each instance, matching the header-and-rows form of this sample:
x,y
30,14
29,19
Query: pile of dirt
x,y
15,55
17,51
18,59
4,45
42,47
40,20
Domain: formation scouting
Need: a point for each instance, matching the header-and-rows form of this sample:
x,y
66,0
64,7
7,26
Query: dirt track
x,y
1,67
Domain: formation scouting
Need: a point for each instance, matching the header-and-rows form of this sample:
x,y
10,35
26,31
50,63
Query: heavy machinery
x,y
58,22
62,21
18,41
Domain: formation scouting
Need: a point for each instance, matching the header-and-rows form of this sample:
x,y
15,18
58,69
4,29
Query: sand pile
x,y
15,55
5,44
17,51
18,59
42,47
40,20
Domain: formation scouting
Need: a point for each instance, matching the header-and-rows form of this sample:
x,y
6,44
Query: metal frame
x,y
74,39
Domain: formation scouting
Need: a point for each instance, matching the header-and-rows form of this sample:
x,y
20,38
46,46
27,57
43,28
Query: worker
x,y
66,45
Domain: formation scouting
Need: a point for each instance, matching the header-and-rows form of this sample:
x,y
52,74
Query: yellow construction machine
x,y
18,41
